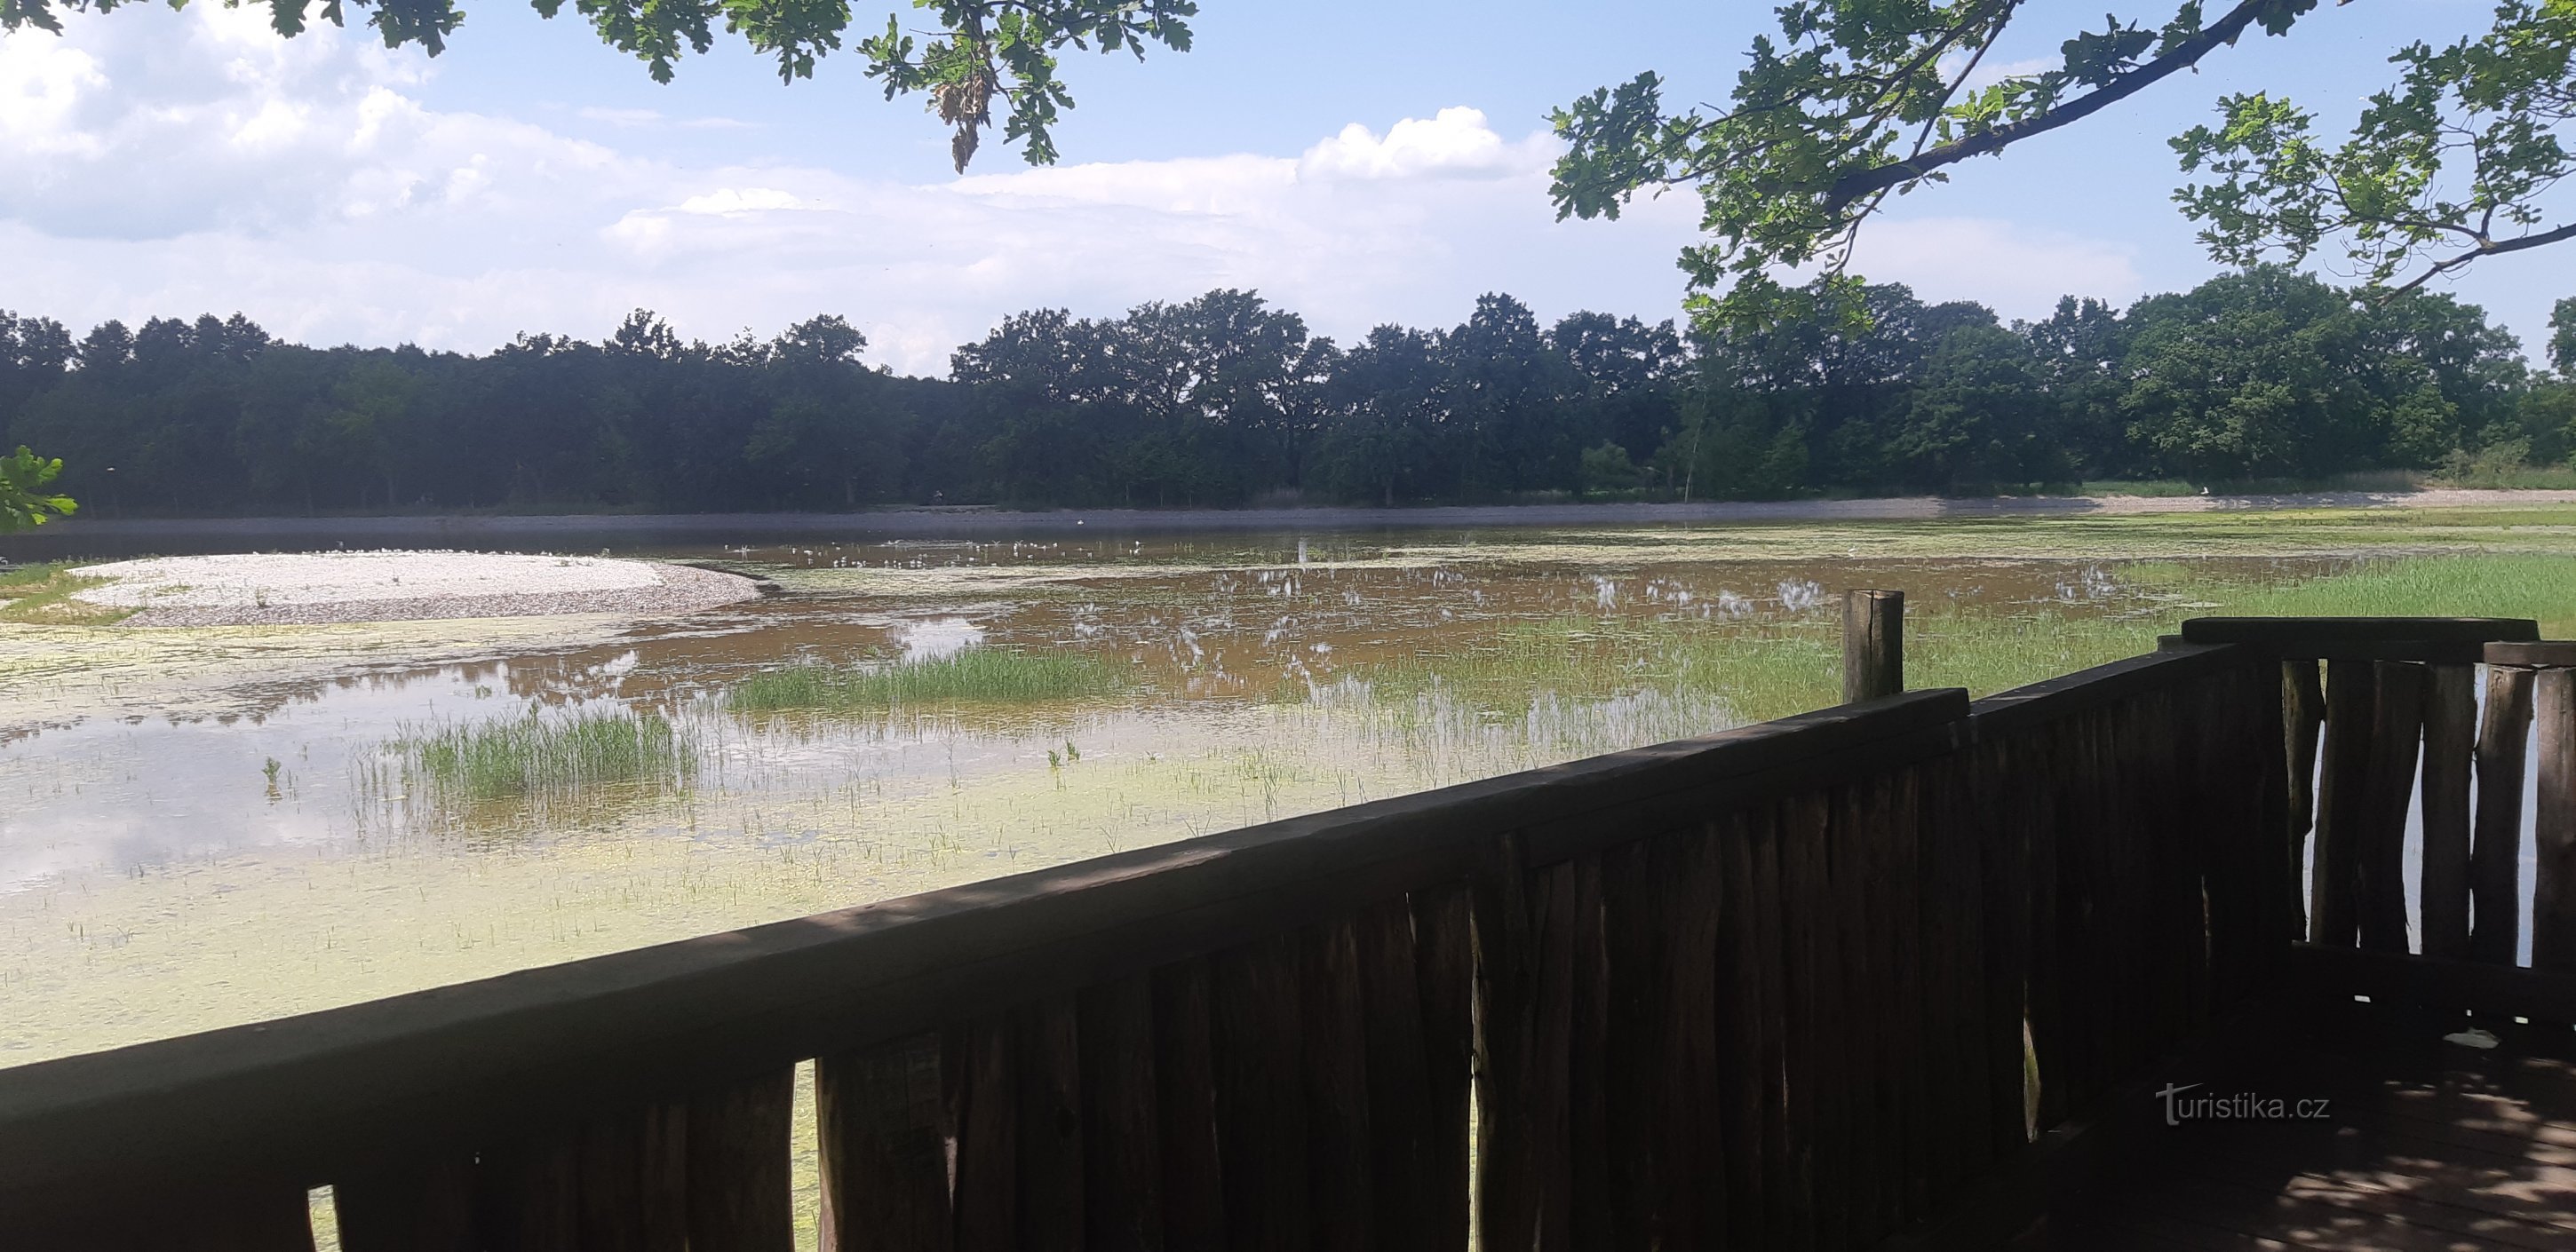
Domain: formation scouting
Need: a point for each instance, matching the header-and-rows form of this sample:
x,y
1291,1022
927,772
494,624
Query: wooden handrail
x,y
302,1096
1840,939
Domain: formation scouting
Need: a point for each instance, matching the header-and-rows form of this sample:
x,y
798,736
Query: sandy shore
x,y
288,589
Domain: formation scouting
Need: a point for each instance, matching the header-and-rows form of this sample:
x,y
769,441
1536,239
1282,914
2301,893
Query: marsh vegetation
x,y
206,826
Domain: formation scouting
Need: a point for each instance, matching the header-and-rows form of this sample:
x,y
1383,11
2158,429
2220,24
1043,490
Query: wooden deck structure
x,y
1904,973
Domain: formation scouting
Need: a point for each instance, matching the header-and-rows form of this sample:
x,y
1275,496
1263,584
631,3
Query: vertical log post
x,y
2388,784
1873,645
2553,827
2450,737
2303,697
2495,860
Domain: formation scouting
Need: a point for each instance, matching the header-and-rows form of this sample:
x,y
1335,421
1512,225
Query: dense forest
x,y
1225,400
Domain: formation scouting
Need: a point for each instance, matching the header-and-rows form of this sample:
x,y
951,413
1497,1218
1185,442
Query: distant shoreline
x,y
558,532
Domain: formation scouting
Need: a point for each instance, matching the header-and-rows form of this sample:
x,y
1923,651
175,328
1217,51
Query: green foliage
x,y
538,757
973,676
24,502
1225,400
2448,164
41,595
1852,101
984,49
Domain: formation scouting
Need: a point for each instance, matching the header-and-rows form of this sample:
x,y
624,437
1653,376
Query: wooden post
x,y
1873,645
2450,741
2388,784
2495,860
2553,828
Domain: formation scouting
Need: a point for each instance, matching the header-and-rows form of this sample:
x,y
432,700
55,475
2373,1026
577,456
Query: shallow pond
x,y
210,826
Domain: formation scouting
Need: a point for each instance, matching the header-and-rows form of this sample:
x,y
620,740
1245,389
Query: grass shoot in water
x,y
971,676
537,757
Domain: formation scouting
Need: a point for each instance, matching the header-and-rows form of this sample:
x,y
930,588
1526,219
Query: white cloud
x,y
174,163
727,201
1456,143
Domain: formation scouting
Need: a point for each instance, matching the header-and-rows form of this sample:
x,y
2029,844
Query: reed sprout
x,y
972,676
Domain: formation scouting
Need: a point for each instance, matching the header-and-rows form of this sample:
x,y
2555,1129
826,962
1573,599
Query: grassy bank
x,y
41,595
973,676
1765,668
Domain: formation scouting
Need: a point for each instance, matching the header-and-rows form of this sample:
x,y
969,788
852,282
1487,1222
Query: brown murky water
x,y
202,827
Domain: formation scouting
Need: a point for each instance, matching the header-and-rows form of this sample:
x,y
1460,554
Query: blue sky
x,y
1357,163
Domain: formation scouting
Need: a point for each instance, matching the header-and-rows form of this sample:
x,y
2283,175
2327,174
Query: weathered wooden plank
x,y
2343,797
1261,1098
2495,863
1590,1216
1745,1085
2041,1049
1337,1088
1770,935
2450,749
1401,1122
1507,1179
1814,1071
1633,1098
1689,1128
1122,1153
2396,743
2007,815
1444,959
1047,1058
2303,721
740,1198
2293,632
2553,826
1185,1099
1873,645
1872,1163
633,1177
141,1213
1546,1062
983,1110
416,1206
883,1135
527,1194
1904,962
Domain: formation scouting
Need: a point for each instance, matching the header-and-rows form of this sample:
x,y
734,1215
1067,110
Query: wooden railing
x,y
1785,986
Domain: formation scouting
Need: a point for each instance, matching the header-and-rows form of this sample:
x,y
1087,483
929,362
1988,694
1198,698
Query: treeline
x,y
1225,400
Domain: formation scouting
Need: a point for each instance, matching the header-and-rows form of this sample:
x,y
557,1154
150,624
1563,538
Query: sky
x,y
1355,163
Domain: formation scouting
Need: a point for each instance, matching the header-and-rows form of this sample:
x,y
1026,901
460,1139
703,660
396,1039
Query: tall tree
x,y
1854,101
983,51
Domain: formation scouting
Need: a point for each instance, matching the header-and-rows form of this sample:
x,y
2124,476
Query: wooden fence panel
x,y
2553,827
1122,1151
2396,738
2343,802
1403,1123
527,1194
2495,862
1444,958
419,1206
1047,1055
1260,1095
739,1194
2303,720
1337,1089
1185,1086
884,1139
2450,744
